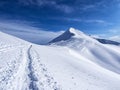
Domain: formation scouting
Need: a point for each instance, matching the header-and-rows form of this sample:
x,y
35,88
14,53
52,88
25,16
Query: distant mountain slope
x,y
105,41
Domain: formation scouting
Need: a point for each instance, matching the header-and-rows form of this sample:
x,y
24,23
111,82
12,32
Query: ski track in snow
x,y
23,73
37,74
31,75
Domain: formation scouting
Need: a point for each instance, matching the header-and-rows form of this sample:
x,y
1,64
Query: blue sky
x,y
99,17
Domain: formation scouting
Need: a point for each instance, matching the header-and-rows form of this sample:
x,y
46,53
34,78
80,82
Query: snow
x,y
76,33
77,63
71,34
92,49
105,41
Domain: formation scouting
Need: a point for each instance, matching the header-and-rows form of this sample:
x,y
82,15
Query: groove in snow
x,y
31,75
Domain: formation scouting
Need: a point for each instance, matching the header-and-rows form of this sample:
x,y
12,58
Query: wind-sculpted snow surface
x,y
105,55
26,66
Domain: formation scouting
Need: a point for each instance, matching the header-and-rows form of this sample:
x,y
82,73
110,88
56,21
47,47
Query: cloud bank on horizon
x,y
28,33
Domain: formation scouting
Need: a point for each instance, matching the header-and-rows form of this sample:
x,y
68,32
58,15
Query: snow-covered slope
x,y
26,66
105,41
107,57
70,34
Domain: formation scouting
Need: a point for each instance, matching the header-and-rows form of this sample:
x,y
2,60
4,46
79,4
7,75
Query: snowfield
x,y
77,62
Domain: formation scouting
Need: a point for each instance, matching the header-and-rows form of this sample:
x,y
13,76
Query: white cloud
x,y
115,38
94,21
99,35
33,2
28,33
88,7
53,3
97,21
95,6
112,34
95,36
64,8
114,31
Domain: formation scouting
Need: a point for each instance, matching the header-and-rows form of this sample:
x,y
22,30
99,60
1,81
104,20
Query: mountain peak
x,y
75,31
71,32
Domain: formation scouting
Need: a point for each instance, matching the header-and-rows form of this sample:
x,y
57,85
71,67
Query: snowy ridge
x,y
104,41
67,35
71,34
27,66
91,49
